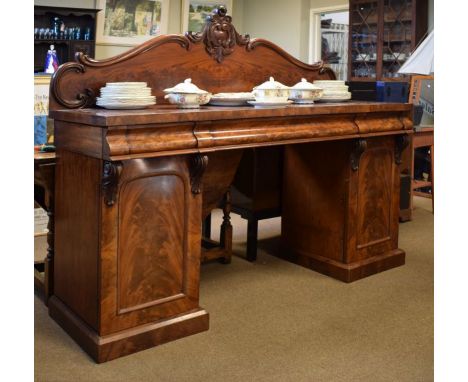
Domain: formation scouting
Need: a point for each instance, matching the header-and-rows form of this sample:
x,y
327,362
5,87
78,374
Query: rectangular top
x,y
171,114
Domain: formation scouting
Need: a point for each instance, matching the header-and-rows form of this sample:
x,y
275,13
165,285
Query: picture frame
x,y
194,21
131,22
43,125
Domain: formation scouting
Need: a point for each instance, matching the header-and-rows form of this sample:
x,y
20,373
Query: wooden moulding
x,y
106,348
347,272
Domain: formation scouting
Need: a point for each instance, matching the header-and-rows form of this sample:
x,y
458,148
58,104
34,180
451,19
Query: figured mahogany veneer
x,y
132,186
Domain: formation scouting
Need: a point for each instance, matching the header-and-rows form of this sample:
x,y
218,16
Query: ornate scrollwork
x,y
359,147
401,142
84,59
219,35
82,99
110,180
197,168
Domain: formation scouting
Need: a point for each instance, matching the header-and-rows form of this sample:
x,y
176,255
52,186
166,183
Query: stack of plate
x,y
125,95
333,91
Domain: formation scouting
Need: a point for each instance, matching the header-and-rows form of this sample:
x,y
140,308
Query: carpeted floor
x,y
275,321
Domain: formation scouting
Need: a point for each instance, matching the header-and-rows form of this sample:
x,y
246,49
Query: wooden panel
x,y
77,233
150,257
314,192
152,241
83,139
375,177
374,207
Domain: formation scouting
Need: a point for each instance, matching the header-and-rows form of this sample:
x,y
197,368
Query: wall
x,y
283,22
286,23
174,26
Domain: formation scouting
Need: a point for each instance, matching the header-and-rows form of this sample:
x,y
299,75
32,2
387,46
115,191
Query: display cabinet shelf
x,y
78,22
382,28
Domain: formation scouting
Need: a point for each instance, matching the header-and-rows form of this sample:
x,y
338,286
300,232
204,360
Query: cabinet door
x,y
374,201
150,245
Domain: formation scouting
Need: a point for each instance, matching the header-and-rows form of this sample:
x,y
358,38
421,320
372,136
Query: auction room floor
x,y
276,321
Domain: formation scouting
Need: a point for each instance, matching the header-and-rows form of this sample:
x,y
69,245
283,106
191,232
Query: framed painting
x,y
131,22
194,12
43,125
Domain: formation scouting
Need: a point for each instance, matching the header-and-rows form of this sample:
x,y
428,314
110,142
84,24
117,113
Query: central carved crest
x,y
219,35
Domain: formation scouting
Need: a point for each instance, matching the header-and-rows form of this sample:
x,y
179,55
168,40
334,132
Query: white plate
x,y
229,102
126,91
303,101
127,84
120,106
127,99
269,104
239,95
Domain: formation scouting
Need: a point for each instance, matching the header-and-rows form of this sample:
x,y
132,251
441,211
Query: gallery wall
x,y
286,23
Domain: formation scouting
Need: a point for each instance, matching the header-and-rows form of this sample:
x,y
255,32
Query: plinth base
x,y
347,272
129,341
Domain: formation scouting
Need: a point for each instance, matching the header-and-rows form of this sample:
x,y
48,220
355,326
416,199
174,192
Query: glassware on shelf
x,y
87,34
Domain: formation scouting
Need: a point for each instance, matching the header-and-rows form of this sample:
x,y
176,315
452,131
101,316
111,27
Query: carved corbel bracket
x,y
401,142
197,167
360,146
110,180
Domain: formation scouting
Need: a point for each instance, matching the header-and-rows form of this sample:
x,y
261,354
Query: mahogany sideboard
x,y
132,186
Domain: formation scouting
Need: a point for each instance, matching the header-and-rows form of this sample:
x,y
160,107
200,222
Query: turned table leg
x,y
226,229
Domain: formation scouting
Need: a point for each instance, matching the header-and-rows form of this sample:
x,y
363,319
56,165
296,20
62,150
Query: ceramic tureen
x,y
187,95
271,91
305,92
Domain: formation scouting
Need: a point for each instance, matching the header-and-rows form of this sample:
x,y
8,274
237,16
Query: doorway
x,y
329,38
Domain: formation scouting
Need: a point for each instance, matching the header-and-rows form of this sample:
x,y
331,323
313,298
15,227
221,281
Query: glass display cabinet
x,y
70,30
383,33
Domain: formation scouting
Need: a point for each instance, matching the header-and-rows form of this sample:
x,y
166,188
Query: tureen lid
x,y
185,87
271,84
305,85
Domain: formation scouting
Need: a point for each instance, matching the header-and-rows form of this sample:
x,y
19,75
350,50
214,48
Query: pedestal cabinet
x,y
340,207
128,238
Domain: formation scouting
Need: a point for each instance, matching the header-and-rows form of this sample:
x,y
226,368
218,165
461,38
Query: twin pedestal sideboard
x,y
132,187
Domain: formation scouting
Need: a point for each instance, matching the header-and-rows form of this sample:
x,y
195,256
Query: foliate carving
x,y
82,99
219,35
359,147
197,168
110,180
401,142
